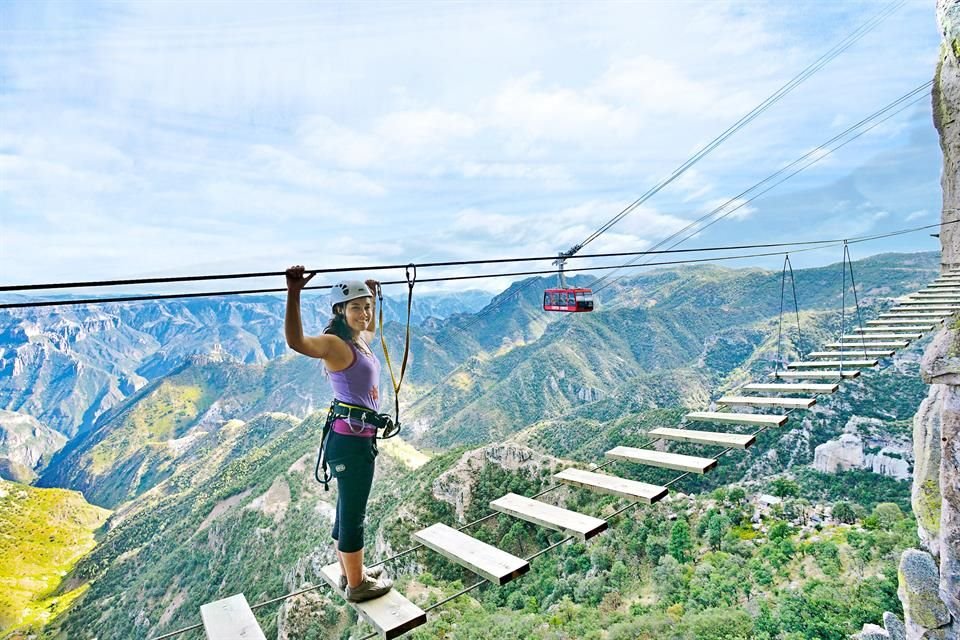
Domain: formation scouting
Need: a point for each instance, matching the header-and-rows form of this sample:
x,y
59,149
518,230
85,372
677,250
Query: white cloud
x,y
531,113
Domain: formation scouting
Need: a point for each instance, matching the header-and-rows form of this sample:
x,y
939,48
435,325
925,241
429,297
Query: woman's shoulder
x,y
340,353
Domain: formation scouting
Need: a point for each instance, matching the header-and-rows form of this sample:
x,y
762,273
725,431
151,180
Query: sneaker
x,y
369,589
374,573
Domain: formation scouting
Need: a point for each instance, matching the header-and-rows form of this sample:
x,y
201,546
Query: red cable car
x,y
568,299
571,300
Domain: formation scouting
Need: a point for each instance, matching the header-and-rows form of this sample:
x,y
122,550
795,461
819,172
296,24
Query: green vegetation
x,y
782,583
158,418
43,533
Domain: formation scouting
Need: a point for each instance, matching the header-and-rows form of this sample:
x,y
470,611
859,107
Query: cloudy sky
x,y
169,138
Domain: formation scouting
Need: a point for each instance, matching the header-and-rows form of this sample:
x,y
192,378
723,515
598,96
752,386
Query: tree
x,y
785,488
680,543
737,495
669,581
716,528
887,514
843,512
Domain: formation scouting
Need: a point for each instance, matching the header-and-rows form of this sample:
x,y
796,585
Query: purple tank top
x,y
357,385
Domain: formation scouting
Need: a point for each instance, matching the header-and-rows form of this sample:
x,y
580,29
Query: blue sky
x,y
169,138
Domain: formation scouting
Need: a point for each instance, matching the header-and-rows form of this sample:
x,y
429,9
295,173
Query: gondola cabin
x,y
570,300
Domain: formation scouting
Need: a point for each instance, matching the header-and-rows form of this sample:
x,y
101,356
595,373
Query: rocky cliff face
x,y
26,442
946,116
930,578
455,486
883,455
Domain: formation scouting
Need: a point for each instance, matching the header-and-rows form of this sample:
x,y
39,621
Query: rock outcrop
x,y
456,485
881,455
24,441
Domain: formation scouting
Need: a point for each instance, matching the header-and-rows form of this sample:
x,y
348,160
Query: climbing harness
x,y
793,283
352,413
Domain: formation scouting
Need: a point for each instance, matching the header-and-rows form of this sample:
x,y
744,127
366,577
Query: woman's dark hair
x,y
338,325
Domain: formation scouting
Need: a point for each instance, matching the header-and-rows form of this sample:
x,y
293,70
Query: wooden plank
x,y
889,322
496,565
935,295
391,614
949,286
926,306
854,344
662,459
920,298
897,314
789,403
230,619
737,418
867,336
914,329
735,440
817,375
832,363
854,353
612,485
547,515
807,387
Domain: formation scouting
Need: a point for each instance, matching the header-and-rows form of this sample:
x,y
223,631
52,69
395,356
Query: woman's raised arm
x,y
318,347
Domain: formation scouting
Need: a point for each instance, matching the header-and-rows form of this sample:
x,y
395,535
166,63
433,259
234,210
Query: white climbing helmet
x,y
348,290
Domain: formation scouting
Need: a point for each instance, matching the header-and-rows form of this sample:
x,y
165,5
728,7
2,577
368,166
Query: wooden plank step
x,y
792,388
735,440
853,344
613,485
231,619
391,614
867,336
904,313
853,353
662,459
832,363
546,515
944,285
915,329
926,306
737,418
816,375
496,565
949,294
911,323
789,403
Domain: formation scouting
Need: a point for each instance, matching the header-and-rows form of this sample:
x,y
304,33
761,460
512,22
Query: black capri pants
x,y
351,460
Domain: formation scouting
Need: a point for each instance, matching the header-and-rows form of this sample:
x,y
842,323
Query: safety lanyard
x,y
411,277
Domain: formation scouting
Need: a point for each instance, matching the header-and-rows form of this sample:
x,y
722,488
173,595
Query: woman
x,y
351,445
